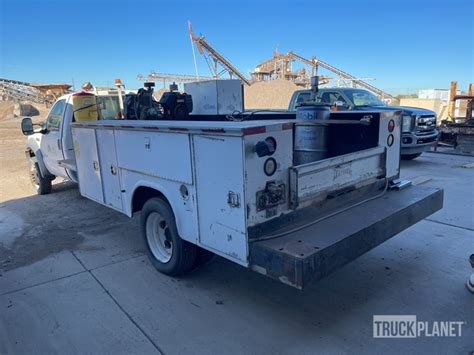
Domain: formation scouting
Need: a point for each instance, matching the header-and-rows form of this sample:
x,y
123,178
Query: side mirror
x,y
27,126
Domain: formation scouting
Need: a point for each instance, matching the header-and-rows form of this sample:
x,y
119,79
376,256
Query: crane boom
x,y
315,62
204,46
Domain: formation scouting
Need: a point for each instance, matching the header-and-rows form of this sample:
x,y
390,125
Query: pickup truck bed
x,y
312,253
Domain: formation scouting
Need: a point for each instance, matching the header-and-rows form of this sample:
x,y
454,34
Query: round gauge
x,y
270,166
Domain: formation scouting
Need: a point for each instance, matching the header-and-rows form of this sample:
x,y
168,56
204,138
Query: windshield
x,y
364,98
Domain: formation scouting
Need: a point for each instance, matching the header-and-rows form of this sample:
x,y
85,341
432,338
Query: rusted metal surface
x,y
311,254
452,94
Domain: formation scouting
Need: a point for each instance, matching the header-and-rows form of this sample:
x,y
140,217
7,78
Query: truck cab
x,y
419,131
50,147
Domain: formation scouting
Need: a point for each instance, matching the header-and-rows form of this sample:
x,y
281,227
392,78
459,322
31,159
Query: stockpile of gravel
x,y
11,110
269,94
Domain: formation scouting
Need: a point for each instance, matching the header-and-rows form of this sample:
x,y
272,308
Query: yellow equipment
x,y
85,106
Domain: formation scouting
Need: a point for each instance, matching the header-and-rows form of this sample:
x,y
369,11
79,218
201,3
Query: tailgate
x,y
312,253
315,181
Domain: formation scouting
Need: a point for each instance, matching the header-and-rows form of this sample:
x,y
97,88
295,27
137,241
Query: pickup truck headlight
x,y
406,123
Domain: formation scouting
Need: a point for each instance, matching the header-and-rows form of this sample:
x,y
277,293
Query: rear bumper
x,y
302,257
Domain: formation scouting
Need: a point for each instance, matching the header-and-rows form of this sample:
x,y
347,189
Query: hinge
x,y
233,199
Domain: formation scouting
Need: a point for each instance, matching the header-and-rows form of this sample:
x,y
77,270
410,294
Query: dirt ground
x,y
13,180
15,186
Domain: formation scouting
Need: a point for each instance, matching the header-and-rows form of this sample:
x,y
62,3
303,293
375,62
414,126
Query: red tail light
x,y
391,126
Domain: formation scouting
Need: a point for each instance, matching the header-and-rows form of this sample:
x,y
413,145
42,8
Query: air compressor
x,y
172,105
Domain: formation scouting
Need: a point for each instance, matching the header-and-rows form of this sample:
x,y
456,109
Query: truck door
x,y
51,144
108,168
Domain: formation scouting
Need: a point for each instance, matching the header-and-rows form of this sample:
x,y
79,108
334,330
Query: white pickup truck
x,y
232,187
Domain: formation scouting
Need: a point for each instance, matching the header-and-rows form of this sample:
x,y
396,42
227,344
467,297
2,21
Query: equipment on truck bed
x,y
173,105
85,106
176,105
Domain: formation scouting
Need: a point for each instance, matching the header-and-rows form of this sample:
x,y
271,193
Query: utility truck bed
x,y
295,223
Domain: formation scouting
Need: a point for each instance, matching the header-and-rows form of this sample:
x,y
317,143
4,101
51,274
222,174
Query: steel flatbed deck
x,y
312,253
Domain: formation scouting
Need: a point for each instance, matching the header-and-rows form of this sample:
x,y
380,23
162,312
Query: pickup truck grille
x,y
426,124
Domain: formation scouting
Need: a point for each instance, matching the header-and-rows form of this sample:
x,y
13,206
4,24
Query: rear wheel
x,y
42,185
410,156
168,253
204,256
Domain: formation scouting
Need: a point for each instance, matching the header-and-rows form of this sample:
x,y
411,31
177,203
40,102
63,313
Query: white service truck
x,y
225,181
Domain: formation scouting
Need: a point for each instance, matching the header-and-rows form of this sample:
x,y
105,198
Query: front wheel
x,y
410,156
41,184
168,253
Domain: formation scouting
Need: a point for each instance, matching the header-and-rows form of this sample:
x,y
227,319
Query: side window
x,y
329,97
55,115
303,97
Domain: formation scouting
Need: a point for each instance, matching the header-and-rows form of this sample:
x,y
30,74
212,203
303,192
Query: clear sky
x,y
405,45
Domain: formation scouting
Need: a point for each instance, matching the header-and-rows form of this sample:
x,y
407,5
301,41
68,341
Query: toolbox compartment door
x,y
87,162
315,181
220,196
109,169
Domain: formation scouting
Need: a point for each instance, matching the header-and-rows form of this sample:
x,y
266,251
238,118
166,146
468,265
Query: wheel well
x,y
143,194
29,153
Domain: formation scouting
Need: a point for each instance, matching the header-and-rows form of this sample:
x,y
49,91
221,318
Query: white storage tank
x,y
216,97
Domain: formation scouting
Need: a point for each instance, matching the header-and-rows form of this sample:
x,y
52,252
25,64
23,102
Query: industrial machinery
x,y
18,91
166,77
458,131
217,63
143,106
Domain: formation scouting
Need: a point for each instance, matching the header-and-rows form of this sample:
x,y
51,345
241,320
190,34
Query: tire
x,y
168,253
41,185
204,256
410,156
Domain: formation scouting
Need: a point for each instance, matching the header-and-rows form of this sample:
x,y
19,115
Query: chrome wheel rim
x,y
158,237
